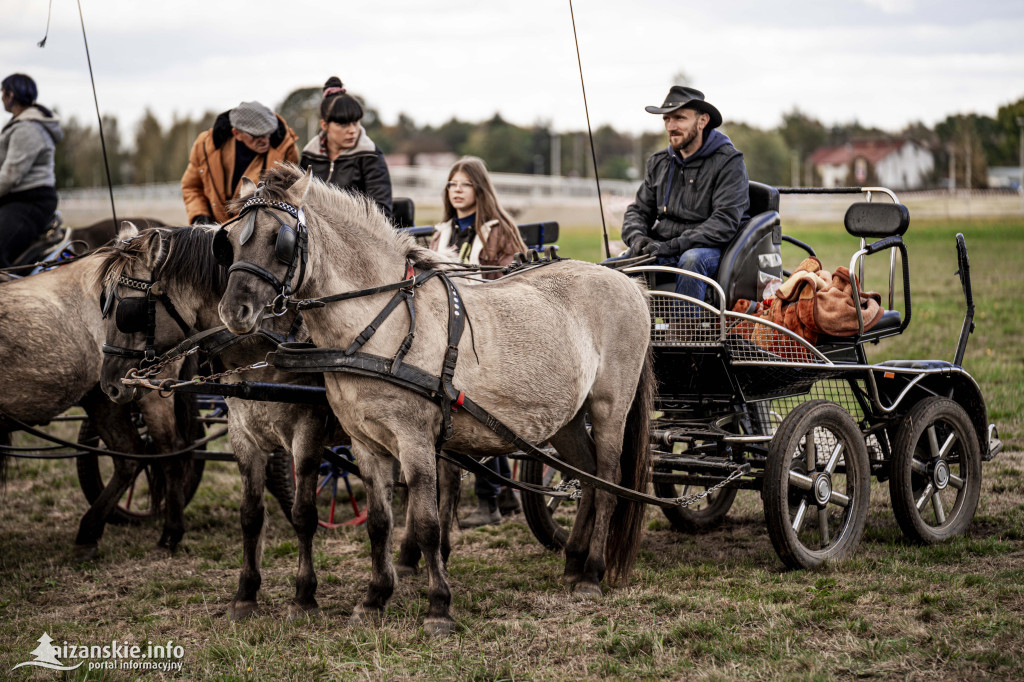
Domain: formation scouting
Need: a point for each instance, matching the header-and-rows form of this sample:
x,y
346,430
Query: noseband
x,y
291,247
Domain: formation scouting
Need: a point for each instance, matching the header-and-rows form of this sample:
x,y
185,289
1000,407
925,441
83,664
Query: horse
x,y
51,330
182,261
546,350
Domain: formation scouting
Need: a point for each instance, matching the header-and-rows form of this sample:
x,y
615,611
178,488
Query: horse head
x,y
143,317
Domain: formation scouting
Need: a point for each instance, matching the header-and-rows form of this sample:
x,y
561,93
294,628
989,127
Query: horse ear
x,y
301,186
247,188
128,231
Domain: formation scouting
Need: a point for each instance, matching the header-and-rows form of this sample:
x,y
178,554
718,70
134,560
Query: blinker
x,y
223,253
132,314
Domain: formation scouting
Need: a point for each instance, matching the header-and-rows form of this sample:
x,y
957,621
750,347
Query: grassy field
x,y
712,606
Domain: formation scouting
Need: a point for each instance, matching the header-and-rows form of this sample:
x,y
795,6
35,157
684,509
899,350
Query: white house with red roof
x,y
896,164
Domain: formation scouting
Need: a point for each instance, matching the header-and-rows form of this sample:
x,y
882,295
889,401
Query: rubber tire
x,y
776,490
281,480
92,482
912,431
536,511
687,520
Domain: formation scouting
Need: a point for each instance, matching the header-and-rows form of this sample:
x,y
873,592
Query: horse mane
x,y
184,252
349,209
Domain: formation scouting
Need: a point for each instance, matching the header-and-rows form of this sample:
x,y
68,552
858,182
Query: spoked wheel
x,y
816,486
139,501
332,471
936,471
549,518
701,516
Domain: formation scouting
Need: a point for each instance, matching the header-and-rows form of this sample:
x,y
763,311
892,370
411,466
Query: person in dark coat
x,y
28,194
343,154
695,193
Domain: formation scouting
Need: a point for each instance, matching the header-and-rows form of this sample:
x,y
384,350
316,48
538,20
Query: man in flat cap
x,y
695,194
243,141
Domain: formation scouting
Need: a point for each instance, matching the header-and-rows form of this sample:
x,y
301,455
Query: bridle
x,y
291,247
136,314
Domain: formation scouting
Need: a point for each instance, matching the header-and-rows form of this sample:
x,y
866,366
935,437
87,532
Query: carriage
x,y
747,403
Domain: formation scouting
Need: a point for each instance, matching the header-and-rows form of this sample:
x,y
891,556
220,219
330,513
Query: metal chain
x,y
693,499
157,367
572,487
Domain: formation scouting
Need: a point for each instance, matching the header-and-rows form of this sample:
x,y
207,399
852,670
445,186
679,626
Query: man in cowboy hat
x,y
245,140
695,194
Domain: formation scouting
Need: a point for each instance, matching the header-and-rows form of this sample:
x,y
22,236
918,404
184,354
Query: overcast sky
x,y
881,62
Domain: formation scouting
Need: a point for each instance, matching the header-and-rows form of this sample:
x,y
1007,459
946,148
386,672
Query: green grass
x,y
712,606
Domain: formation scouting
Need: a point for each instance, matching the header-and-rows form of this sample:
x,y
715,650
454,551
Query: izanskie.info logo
x,y
114,656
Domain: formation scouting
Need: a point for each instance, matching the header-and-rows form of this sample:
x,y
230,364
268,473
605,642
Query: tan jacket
x,y
204,186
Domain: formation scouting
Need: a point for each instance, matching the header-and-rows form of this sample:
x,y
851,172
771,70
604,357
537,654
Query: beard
x,y
688,136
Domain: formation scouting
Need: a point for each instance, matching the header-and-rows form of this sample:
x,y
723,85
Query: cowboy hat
x,y
679,97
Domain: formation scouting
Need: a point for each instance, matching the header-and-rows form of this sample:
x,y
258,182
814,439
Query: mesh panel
x,y
770,413
751,340
676,322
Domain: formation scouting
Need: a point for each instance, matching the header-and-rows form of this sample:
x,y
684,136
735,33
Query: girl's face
x,y
462,194
344,135
8,99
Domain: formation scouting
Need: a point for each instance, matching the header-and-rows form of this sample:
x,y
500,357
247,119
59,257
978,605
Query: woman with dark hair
x,y
479,230
343,154
28,194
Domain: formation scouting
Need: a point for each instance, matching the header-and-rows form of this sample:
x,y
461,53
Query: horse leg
x,y
409,552
114,425
449,489
307,449
252,463
421,479
575,446
379,483
164,430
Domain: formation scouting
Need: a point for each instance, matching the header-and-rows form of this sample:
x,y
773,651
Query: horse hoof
x,y
404,572
439,627
88,552
587,590
159,553
570,580
302,612
362,616
241,610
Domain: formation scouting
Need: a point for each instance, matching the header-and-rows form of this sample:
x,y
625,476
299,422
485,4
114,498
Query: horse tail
x,y
626,527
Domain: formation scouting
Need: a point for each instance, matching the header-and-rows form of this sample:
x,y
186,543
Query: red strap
x,y
458,402
409,271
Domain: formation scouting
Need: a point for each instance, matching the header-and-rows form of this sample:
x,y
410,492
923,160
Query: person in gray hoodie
x,y
28,194
695,194
343,154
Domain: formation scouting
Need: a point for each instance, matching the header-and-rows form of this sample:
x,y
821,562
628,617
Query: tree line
x,y
778,156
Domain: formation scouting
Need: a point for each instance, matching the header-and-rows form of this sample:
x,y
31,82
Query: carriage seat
x,y
55,233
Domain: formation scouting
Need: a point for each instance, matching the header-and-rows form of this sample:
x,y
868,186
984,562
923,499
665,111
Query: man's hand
x,y
202,220
640,244
659,249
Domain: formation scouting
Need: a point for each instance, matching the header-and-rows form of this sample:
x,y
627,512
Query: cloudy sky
x,y
881,62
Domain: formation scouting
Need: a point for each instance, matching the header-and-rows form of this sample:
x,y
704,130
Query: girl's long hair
x,y
487,206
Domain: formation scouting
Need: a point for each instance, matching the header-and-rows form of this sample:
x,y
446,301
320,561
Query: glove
x,y
202,220
639,244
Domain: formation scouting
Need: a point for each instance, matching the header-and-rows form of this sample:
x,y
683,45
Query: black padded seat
x,y
920,365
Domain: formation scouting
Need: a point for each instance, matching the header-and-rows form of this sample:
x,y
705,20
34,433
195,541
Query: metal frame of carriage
x,y
747,404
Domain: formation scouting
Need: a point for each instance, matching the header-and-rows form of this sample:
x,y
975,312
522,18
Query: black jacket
x,y
699,202
361,168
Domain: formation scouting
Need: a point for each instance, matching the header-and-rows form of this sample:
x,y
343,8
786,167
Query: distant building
x,y
896,164
1004,177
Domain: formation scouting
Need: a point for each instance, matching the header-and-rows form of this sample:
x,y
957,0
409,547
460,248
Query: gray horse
x,y
51,330
544,350
182,261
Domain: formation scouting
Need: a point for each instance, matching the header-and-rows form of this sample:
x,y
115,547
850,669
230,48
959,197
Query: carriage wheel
x,y
281,480
816,486
137,503
330,475
549,518
701,516
936,471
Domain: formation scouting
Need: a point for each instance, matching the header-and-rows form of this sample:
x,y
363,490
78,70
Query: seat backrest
x,y
870,220
404,211
763,198
539,235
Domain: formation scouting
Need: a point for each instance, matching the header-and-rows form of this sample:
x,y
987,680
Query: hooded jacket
x,y
700,201
207,180
361,168
27,145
